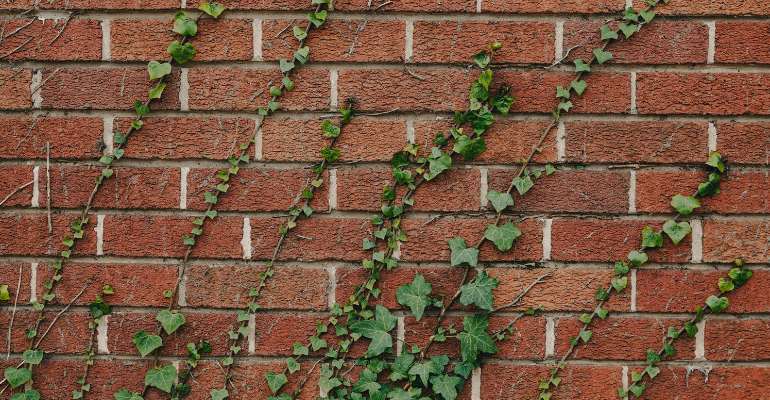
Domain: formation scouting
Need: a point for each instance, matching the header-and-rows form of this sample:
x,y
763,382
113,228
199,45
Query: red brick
x,y
71,187
256,189
109,4
208,326
187,137
51,40
565,289
10,274
621,338
703,93
436,90
741,191
618,142
124,278
527,341
726,240
662,291
247,89
661,42
428,241
147,39
737,340
608,241
718,382
161,236
361,189
745,143
27,137
365,139
458,42
12,178
508,141
291,287
68,336
248,380
313,240
410,5
56,378
16,93
267,5
337,41
568,191
711,7
554,6
100,89
277,332
27,234
742,42
506,381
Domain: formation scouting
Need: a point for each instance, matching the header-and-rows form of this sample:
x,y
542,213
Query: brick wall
x,y
695,81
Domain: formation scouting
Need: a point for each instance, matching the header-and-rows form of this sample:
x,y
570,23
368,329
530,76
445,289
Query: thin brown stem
x,y
13,312
15,191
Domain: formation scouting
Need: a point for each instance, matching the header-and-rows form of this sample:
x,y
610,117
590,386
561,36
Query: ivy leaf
x,y
651,238
502,236
299,33
677,231
474,338
608,33
628,29
5,295
124,394
146,343
479,291
378,330
155,93
158,70
317,18
740,276
462,254
579,86
219,394
684,205
275,381
415,295
329,129
647,15
581,66
438,162
500,201
181,53
285,65
637,258
562,93
446,386
469,148
717,304
170,320
302,54
32,357
691,329
620,283
602,56
162,378
482,59
213,9
715,161
184,25
711,186
17,376
27,395
523,184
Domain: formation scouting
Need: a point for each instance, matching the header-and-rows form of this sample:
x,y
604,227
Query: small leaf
x,y
581,66
155,93
330,130
170,320
579,86
17,376
502,236
162,378
461,253
637,258
523,184
27,395
184,25
651,238
317,18
219,394
608,33
302,54
158,70
5,295
299,33
602,56
181,53
212,8
628,29
415,295
146,343
275,381
715,161
676,231
500,201
285,65
647,15
586,335
479,291
717,304
684,205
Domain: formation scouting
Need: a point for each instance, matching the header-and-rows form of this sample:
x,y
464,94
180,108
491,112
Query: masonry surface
x,y
694,81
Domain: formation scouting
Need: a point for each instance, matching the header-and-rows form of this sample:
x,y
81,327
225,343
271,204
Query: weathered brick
x,y
742,42
313,240
711,7
568,191
337,41
686,383
608,241
10,272
15,84
68,336
100,89
737,340
147,39
458,41
248,380
27,234
27,137
12,178
726,240
618,142
554,6
703,93
53,40
745,143
109,4
247,89
505,381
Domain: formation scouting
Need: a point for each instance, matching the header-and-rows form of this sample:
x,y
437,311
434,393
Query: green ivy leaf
x,y
651,238
647,15
684,205
158,70
726,285
581,66
17,376
500,201
585,336
33,357
482,59
608,33
479,291
579,86
740,276
620,283
275,381
461,253
329,129
438,162
170,320
676,231
711,186
637,258
602,56
219,394
5,295
181,53
212,8
415,295
691,329
302,54
27,395
184,25
715,161
474,338
717,304
469,148
562,93
502,236
378,330
523,184
285,65
628,29
146,343
299,33
446,386
317,18
162,378
155,93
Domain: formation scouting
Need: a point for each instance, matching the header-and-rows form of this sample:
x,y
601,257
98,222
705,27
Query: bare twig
x,y
48,78
48,184
64,26
63,310
524,292
17,190
13,312
414,75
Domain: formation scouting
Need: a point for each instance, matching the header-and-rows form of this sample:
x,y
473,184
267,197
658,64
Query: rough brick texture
x,y
694,80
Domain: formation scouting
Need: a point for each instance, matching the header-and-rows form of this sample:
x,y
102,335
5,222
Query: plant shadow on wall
x,y
360,351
